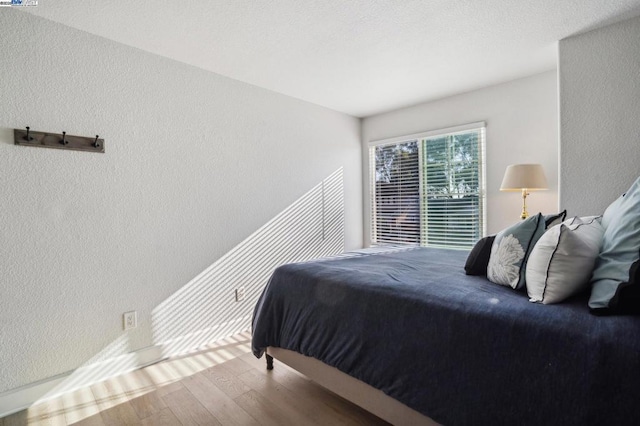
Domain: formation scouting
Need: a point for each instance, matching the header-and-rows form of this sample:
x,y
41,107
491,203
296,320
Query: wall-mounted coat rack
x,y
57,140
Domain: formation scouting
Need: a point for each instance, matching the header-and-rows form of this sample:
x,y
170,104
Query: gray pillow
x,y
612,211
615,286
554,219
478,258
510,251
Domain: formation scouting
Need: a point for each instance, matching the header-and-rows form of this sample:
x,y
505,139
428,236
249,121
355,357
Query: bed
x,y
408,336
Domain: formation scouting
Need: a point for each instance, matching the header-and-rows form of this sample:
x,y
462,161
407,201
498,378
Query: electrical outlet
x,y
130,320
240,294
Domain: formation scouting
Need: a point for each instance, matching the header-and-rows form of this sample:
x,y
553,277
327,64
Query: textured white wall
x,y
522,127
195,164
599,115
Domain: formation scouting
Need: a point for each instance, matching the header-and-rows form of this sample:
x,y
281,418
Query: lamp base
x,y
524,213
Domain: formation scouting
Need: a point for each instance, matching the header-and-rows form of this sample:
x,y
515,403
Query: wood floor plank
x,y
298,407
79,405
161,374
108,394
142,393
291,406
164,417
261,409
326,400
301,385
188,410
179,368
16,419
95,420
169,388
259,364
218,403
238,348
164,377
121,414
114,403
237,366
226,381
148,404
222,384
203,360
48,413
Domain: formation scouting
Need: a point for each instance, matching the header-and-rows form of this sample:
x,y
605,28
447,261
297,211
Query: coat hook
x,y
28,138
64,140
96,143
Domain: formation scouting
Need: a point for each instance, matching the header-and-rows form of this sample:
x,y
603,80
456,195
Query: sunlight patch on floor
x,y
83,403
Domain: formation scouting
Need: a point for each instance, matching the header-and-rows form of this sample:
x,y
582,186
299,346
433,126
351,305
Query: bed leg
x,y
269,362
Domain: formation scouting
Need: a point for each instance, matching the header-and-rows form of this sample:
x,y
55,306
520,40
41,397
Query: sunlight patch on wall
x,y
201,314
205,310
104,364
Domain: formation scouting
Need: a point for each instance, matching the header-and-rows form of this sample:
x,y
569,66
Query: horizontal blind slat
x,y
448,209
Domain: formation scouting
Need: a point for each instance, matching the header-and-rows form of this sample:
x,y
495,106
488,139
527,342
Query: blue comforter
x,y
457,348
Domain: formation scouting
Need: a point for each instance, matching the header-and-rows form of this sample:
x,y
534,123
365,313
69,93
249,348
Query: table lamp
x,y
525,178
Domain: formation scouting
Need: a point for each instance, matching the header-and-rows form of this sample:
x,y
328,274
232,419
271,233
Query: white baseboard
x,y
25,396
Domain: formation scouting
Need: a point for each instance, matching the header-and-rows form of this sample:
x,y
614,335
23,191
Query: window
x,y
429,189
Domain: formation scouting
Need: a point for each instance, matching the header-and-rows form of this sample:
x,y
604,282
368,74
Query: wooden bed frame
x,y
371,399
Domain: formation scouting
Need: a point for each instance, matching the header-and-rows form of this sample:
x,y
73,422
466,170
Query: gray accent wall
x,y
599,83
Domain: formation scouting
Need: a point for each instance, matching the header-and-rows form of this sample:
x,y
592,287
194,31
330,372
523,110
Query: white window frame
x,y
481,125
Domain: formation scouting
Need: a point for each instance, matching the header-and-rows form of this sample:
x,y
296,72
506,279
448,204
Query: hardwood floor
x,y
222,384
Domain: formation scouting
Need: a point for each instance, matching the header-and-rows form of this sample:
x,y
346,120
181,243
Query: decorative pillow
x,y
510,250
612,211
554,219
562,260
615,281
479,257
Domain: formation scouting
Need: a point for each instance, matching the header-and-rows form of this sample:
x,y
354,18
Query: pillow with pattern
x,y
511,249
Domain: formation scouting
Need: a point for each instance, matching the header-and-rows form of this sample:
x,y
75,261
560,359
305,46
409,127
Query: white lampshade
x,y
524,176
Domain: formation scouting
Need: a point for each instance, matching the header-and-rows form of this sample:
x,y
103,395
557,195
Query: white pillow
x,y
562,260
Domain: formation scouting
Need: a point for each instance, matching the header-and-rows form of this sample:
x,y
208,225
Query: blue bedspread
x,y
457,348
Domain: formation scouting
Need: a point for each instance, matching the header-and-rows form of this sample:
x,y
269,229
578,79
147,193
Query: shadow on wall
x,y
205,309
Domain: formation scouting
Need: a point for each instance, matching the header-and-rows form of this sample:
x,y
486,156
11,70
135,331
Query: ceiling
x,y
360,57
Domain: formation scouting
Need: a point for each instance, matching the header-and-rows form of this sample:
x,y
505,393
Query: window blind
x,y
429,190
396,187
